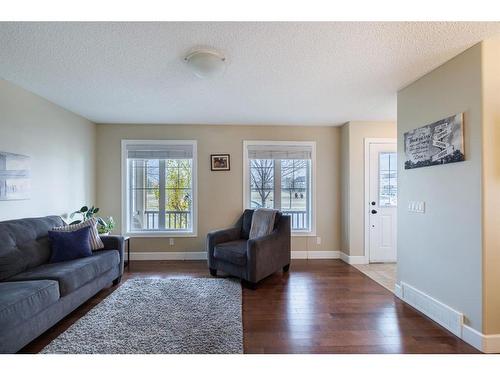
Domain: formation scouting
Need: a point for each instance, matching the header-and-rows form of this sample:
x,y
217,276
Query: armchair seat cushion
x,y
72,274
234,252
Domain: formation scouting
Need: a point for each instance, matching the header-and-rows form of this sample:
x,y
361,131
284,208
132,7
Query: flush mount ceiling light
x,y
206,63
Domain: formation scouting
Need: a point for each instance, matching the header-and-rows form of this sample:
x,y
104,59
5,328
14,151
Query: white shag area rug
x,y
192,315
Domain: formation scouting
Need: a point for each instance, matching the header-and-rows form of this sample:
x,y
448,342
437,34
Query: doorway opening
x,y
380,219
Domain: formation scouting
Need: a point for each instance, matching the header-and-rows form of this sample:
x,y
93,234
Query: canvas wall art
x,y
441,142
15,181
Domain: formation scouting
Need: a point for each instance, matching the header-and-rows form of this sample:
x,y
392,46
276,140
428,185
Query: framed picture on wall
x,y
15,180
220,162
441,142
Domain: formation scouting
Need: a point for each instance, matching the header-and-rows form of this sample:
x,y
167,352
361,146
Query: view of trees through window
x,y
162,194
284,185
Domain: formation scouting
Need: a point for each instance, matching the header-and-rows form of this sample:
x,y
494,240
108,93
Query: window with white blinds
x,y
159,187
280,175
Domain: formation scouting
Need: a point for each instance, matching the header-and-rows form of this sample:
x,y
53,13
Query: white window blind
x,y
280,152
159,151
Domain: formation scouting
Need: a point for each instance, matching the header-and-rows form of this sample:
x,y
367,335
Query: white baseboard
x,y
447,317
353,259
398,291
473,337
322,254
315,254
299,255
484,343
201,255
167,255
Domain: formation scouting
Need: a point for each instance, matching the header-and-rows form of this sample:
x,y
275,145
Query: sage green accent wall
x,y
440,252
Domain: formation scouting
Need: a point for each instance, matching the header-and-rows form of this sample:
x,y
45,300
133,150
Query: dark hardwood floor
x,y
320,306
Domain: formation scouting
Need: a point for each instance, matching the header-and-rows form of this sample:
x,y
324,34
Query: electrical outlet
x,y
171,242
318,240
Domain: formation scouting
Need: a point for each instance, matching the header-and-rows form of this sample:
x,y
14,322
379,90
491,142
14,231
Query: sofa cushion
x,y
69,245
24,244
74,273
233,252
21,300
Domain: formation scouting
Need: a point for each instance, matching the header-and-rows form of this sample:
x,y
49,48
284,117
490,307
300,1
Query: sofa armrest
x,y
115,243
220,236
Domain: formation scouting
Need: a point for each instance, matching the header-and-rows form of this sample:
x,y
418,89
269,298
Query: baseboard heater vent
x,y
451,319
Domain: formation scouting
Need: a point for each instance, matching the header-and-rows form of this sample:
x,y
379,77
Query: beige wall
x,y
440,252
344,189
491,186
62,149
352,166
220,194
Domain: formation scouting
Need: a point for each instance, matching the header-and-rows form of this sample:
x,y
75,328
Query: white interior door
x,y
382,202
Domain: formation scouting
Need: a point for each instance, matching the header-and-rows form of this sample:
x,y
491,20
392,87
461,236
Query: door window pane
x,y
388,182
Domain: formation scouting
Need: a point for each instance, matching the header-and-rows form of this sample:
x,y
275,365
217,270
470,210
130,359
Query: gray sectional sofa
x,y
35,294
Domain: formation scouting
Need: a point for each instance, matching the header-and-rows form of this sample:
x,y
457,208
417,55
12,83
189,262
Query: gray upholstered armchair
x,y
230,250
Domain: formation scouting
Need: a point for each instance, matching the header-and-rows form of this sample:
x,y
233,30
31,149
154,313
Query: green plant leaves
x,y
88,213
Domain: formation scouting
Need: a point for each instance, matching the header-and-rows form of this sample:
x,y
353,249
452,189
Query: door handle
x,y
374,211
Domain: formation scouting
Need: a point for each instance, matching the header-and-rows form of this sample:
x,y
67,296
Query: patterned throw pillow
x,y
95,241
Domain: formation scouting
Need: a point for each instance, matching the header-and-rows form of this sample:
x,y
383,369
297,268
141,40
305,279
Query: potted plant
x,y
104,227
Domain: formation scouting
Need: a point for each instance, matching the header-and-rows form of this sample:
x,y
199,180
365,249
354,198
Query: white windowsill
x,y
161,234
303,234
192,235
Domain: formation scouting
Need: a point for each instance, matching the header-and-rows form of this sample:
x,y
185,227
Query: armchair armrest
x,y
268,254
264,244
114,243
220,236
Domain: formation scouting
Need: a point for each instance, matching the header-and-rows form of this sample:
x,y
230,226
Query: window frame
x,y
246,179
125,224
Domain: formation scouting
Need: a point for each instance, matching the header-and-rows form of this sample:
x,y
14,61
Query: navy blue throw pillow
x,y
70,245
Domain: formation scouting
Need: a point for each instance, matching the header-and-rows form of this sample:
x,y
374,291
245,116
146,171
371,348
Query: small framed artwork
x,y
220,162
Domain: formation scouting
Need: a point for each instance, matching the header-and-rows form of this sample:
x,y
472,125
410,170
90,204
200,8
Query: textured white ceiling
x,y
278,73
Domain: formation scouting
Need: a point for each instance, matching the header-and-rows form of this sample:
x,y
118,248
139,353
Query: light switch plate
x,y
416,206
318,240
172,242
